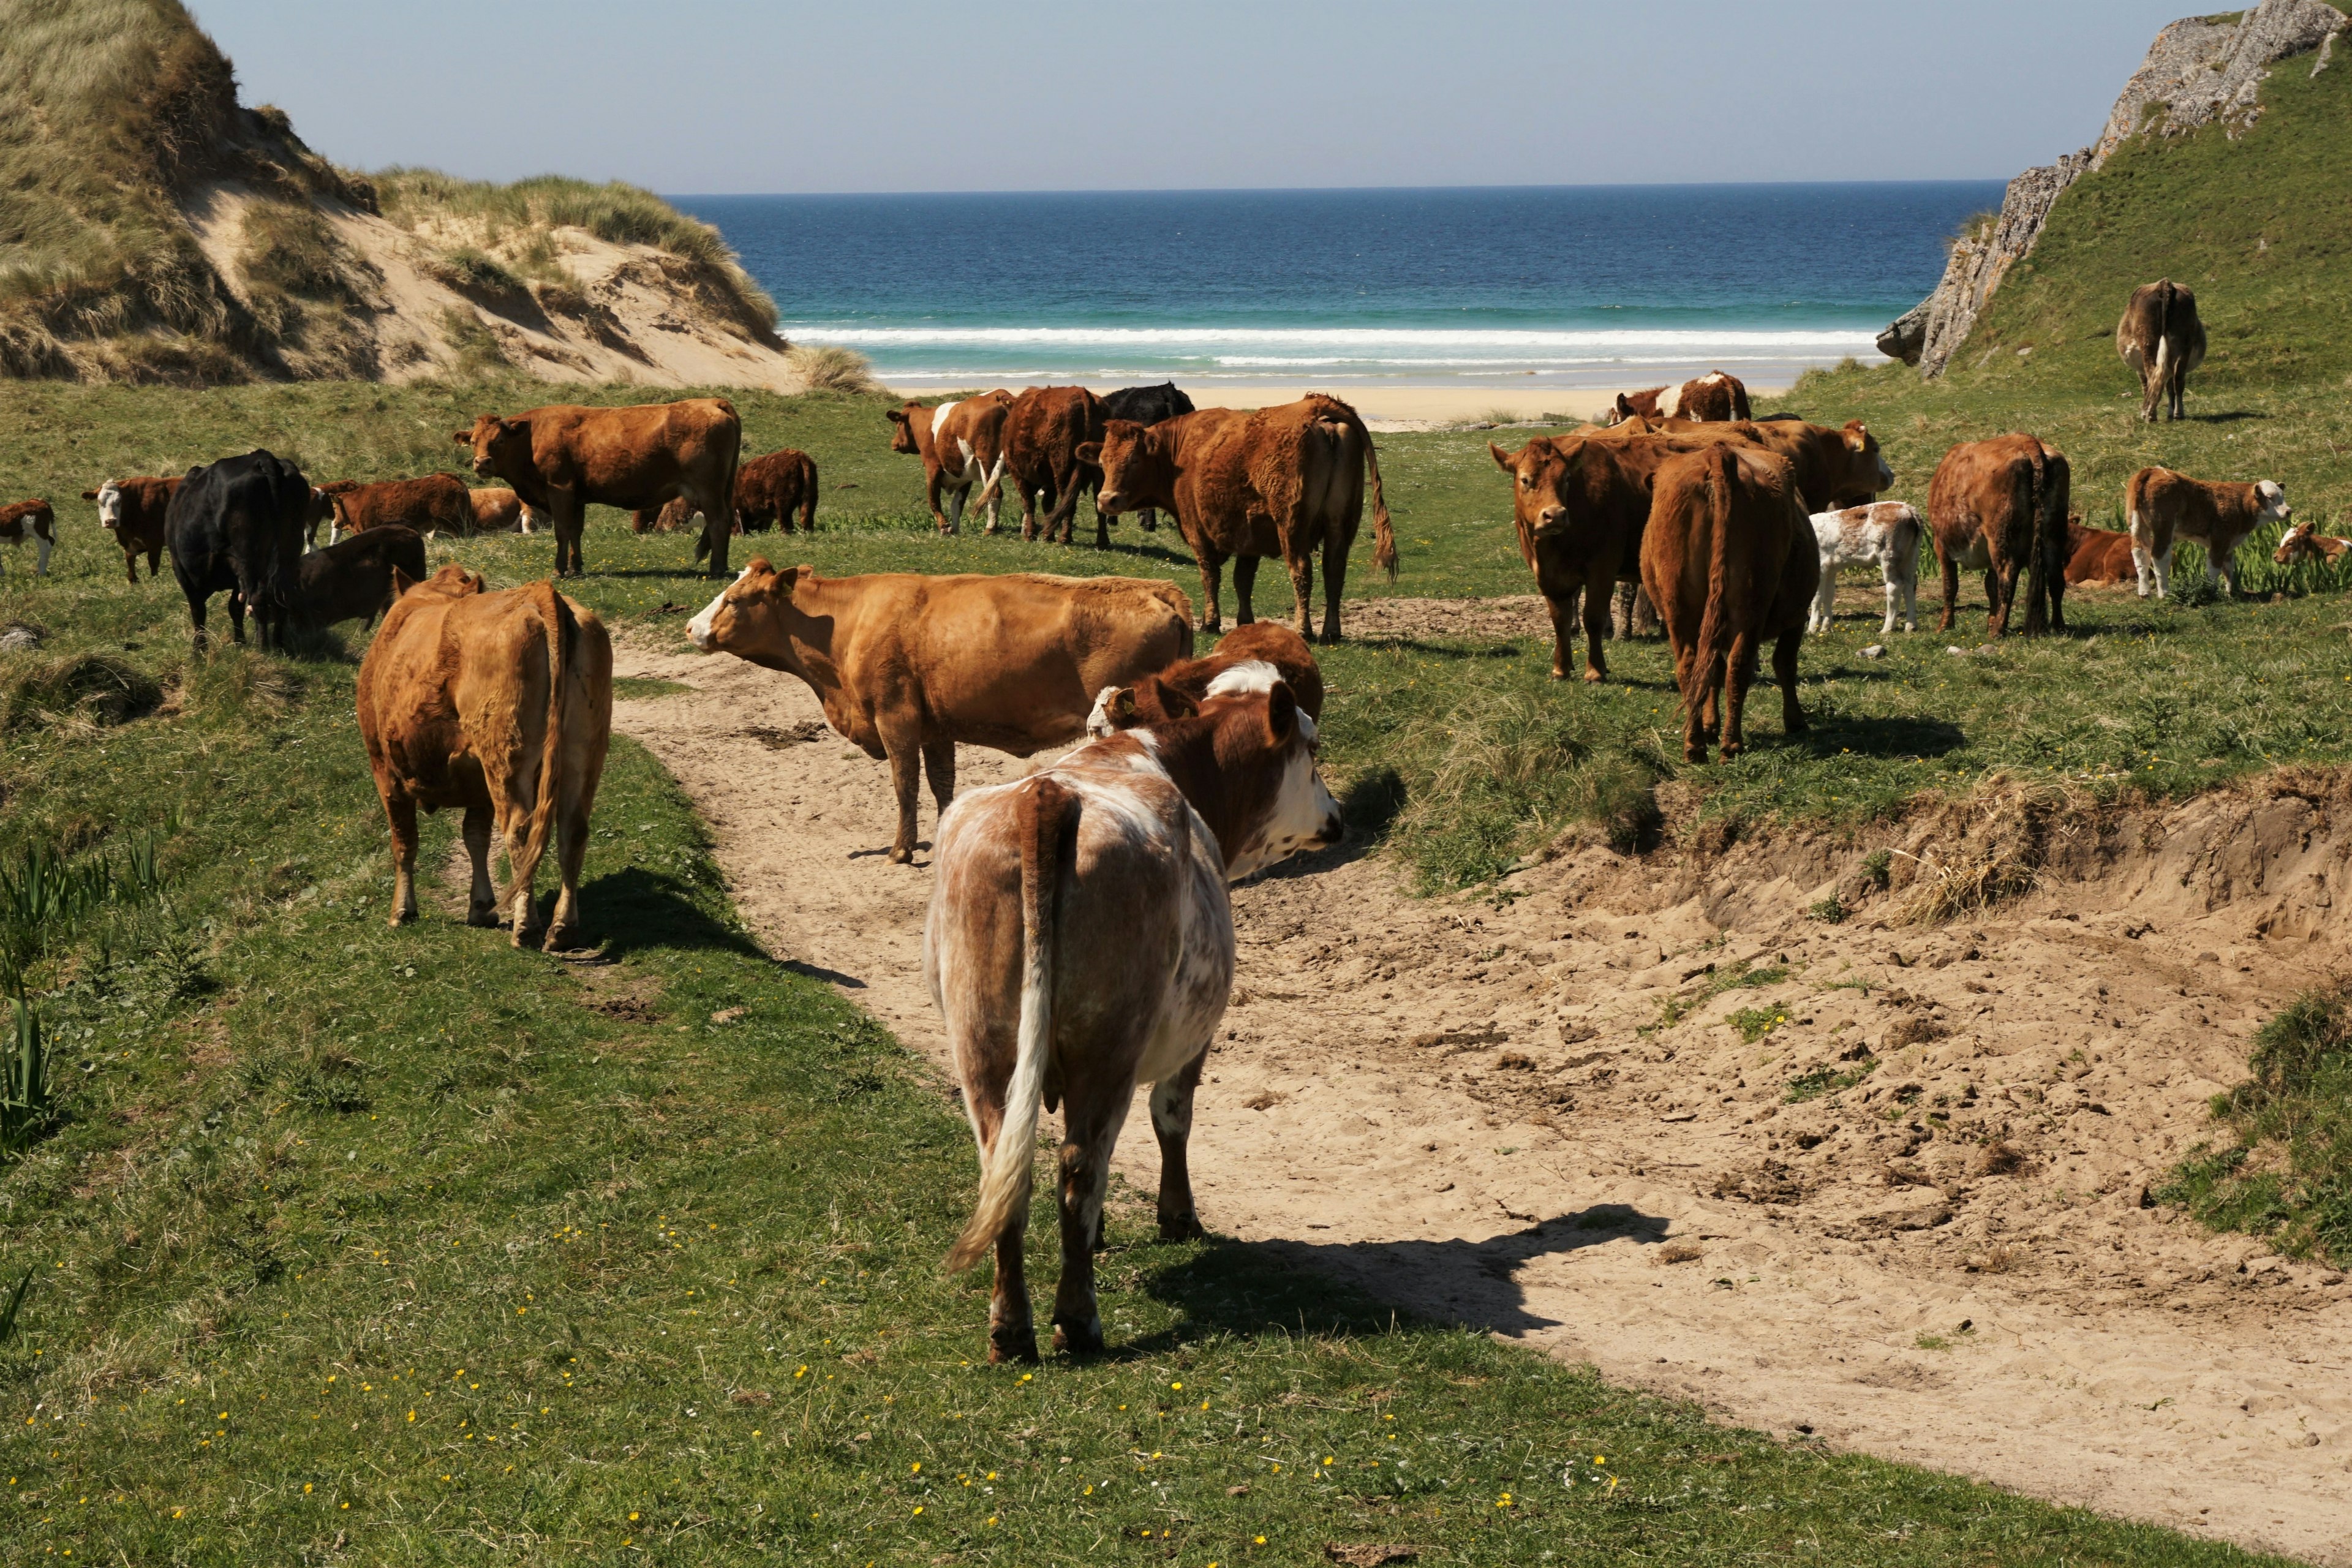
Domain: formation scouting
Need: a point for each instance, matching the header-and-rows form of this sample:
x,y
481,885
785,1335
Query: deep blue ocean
x,y
1575,284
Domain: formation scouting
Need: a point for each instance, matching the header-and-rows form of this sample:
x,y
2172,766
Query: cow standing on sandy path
x,y
906,666
2000,505
2164,507
962,444
133,511
562,458
1884,534
35,521
1080,943
1286,480
2161,336
501,704
1730,558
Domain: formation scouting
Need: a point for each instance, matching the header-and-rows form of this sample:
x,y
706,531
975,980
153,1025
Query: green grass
x,y
1821,1081
405,1246
2286,1171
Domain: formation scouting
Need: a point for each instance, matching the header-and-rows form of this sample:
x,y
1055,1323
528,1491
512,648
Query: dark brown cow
x,y
437,503
908,666
1713,396
2001,505
667,518
2097,556
33,520
1730,558
133,511
2161,336
1286,480
1044,431
962,444
1268,648
353,579
770,489
562,458
2162,507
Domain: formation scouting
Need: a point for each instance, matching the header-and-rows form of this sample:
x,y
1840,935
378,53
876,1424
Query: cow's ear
x,y
896,416
1090,453
1118,706
1507,461
89,495
1172,701
463,438
1281,716
401,582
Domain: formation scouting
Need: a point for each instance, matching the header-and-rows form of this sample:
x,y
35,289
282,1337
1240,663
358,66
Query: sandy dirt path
x,y
1473,1107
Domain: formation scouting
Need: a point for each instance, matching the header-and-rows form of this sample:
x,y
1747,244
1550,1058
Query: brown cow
x,y
1713,396
133,511
2162,507
437,503
33,520
906,666
1043,432
961,443
562,458
1080,941
2161,336
667,518
1730,558
2097,554
772,489
501,704
2300,544
1261,652
1834,468
353,579
1286,480
499,511
2001,505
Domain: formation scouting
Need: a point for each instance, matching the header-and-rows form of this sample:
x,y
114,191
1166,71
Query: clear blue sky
x,y
710,96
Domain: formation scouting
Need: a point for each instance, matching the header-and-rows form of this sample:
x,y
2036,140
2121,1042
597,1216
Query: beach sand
x,y
1400,406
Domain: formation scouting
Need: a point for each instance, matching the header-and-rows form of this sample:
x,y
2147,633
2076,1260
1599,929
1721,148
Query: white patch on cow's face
x,y
1252,675
2273,497
1098,722
1305,816
110,505
698,630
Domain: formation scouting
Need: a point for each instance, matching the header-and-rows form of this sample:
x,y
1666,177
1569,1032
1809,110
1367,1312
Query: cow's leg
x,y
1600,576
902,743
1244,589
235,617
716,537
1563,607
1739,671
482,901
196,611
1150,521
523,868
1213,583
1172,1123
1091,1115
1012,1332
1784,671
41,548
2001,592
2164,573
571,855
939,767
2144,568
931,496
1302,592
400,812
1697,703
1335,580
955,508
1951,568
1825,602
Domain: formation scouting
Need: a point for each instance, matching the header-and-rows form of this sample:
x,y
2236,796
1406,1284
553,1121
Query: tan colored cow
x,y
1999,506
498,511
908,666
2164,507
501,704
962,444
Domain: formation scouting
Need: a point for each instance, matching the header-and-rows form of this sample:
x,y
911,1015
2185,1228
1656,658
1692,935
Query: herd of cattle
x,y
1080,940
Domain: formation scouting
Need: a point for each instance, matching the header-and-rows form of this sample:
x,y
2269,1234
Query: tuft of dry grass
x,y
1949,887
830,368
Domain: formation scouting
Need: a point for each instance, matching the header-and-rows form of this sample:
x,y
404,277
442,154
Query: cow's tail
x,y
1740,407
2037,497
562,635
1384,550
1042,814
1714,646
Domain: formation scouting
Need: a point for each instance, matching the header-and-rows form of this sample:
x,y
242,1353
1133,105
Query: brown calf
x,y
2097,556
133,511
437,503
1247,658
2164,507
2300,544
499,511
2000,505
770,489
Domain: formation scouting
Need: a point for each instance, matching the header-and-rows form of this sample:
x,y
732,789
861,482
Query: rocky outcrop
x,y
2197,72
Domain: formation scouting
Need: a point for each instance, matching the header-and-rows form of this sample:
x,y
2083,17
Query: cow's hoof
x,y
560,938
482,915
1594,677
1695,754
1005,1345
901,856
1180,1227
1558,673
400,917
1079,1339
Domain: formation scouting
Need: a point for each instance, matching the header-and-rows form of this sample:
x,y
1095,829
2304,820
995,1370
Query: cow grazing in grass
x,y
353,579
1147,405
133,510
1730,562
1286,481
1999,506
236,526
437,503
908,666
498,511
562,458
501,705
2097,556
2161,336
1046,430
2164,507
1266,644
1713,396
35,521
2300,544
772,491
1884,534
962,444
1080,943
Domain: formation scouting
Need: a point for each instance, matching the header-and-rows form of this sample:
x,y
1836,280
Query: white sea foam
x,y
1429,341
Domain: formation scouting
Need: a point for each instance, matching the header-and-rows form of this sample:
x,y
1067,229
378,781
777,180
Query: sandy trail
x,y
1469,1107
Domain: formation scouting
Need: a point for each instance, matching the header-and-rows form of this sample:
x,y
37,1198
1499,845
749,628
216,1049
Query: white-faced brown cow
x,y
2161,336
562,458
33,520
1080,943
501,704
1713,396
1269,644
1286,480
2301,543
1731,561
133,510
1999,506
2163,508
908,666
962,444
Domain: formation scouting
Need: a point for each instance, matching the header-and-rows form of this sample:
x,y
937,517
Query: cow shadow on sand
x,y
1289,1286
638,911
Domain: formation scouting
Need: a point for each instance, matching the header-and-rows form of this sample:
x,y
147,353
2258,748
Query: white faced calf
x,y
1884,534
1080,943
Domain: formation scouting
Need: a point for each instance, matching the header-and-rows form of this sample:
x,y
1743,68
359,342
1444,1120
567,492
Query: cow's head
x,y
1867,469
902,428
754,618
1543,474
501,447
2270,503
109,497
1136,463
452,581
2298,545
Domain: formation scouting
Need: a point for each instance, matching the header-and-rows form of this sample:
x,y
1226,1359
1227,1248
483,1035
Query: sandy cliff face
x,y
2198,71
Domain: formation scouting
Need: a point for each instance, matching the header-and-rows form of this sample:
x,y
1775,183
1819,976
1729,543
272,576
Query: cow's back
x,y
618,451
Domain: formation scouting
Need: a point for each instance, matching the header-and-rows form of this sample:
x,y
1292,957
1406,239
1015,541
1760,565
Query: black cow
x,y
353,580
238,525
1147,405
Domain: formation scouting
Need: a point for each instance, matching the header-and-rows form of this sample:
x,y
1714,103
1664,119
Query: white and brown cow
x,y
30,519
2302,543
962,444
1713,396
1080,943
1884,534
2164,507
